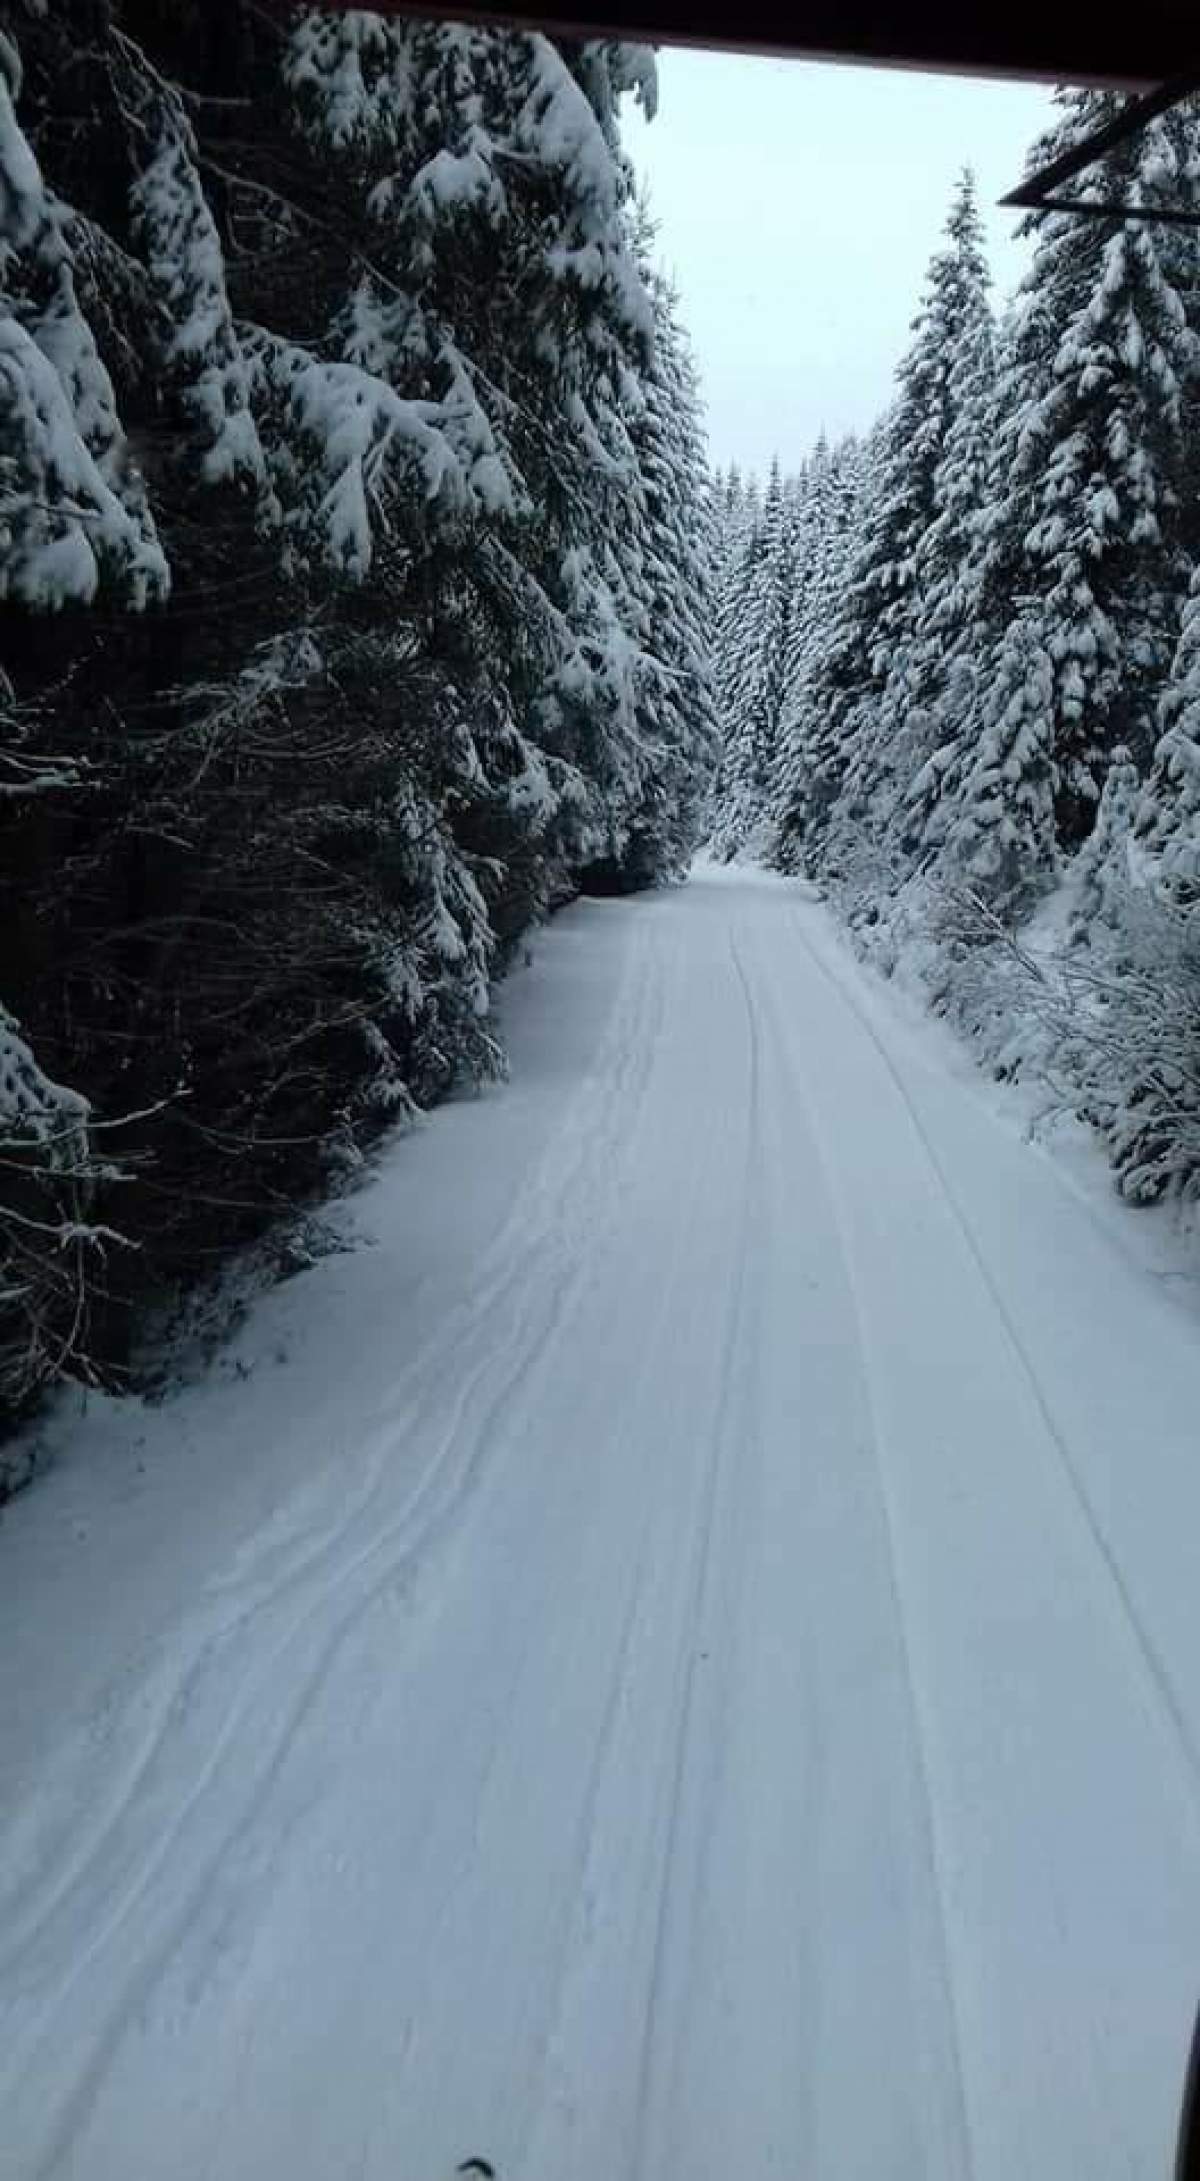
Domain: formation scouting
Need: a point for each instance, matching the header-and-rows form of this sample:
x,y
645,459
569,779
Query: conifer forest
x,y
368,593
355,553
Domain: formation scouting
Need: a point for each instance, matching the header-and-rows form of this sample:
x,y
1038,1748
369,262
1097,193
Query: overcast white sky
x,y
799,206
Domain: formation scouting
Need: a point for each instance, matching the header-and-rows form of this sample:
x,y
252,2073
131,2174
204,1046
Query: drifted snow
x,y
678,1660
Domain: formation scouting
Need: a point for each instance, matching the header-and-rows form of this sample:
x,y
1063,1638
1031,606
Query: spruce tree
x,y
1167,821
824,637
869,679
371,364
1084,563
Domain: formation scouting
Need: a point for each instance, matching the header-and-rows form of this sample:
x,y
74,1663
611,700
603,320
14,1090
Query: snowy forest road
x,y
683,1660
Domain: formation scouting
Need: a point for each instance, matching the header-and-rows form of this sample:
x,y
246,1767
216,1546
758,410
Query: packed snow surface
x,y
676,1660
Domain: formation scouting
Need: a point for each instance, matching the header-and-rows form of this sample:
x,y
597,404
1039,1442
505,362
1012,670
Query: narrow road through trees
x,y
681,1661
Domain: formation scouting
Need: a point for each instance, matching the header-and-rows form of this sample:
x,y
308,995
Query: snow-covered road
x,y
679,1663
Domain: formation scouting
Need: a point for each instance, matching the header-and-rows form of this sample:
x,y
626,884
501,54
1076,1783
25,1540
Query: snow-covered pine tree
x,y
1085,561
200,357
947,662
761,609
897,668
673,579
385,354
1101,871
74,527
1171,175
510,199
809,491
733,518
827,681
1167,821
73,515
736,619
939,680
808,744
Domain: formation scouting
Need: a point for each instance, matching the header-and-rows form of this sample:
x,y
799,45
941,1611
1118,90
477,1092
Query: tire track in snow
x,y
397,1555
668,1919
573,1210
596,1850
1153,1668
576,1927
312,1561
920,1725
521,2131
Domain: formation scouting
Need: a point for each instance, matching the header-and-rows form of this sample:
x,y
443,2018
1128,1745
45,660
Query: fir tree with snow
x,y
1101,874
761,610
877,668
1085,560
73,515
378,369
1167,820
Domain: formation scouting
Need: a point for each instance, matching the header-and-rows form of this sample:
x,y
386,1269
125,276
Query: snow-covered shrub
x,y
50,1250
1108,1030
1130,1042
